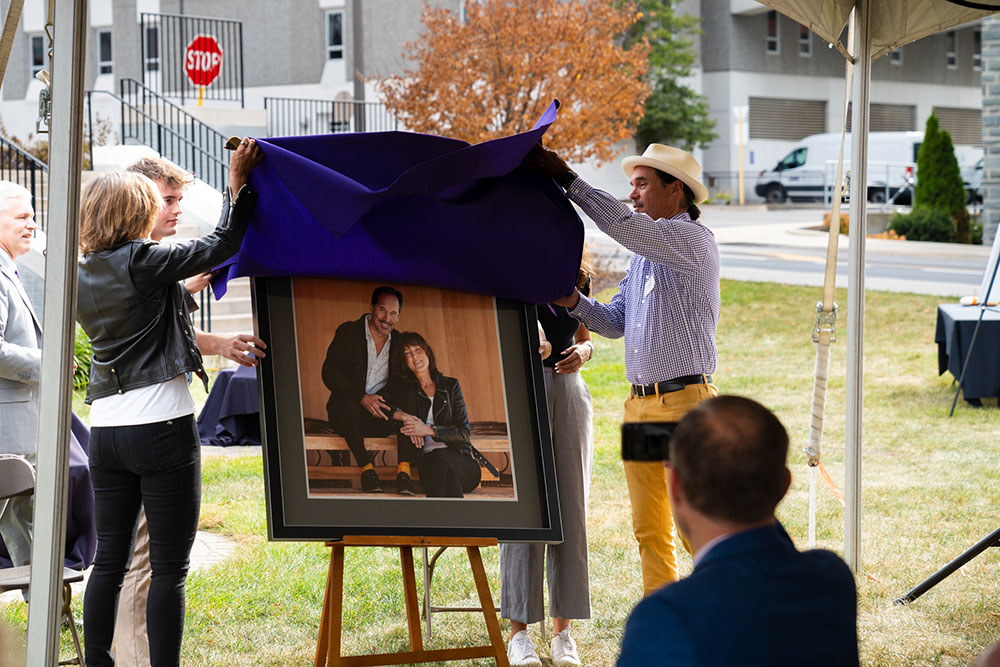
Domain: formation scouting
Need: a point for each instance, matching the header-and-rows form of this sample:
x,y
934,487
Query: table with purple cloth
x,y
231,412
81,532
955,325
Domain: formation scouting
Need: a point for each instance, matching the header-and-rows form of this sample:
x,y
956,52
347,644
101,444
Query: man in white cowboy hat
x,y
667,308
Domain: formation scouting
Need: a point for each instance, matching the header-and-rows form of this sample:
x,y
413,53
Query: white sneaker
x,y
564,651
521,652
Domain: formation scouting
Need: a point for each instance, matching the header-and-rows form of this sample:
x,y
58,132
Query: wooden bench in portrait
x,y
487,437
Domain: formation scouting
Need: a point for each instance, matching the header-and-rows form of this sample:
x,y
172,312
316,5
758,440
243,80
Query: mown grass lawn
x,y
930,490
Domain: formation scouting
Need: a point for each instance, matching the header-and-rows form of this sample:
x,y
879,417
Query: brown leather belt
x,y
667,386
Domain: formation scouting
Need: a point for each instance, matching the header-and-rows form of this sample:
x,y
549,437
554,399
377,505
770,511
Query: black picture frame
x,y
295,514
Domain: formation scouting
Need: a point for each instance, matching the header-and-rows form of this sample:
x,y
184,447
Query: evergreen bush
x,y
939,182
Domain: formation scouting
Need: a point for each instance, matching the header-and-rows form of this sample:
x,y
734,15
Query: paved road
x,y
783,246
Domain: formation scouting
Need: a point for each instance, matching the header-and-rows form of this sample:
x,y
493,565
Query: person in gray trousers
x,y
521,565
20,362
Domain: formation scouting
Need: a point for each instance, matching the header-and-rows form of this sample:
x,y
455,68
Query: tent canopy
x,y
894,22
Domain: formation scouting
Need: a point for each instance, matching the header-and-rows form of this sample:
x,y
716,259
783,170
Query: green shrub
x,y
82,355
939,181
924,224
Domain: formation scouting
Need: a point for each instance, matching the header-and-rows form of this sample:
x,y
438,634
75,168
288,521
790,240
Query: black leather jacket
x,y
451,421
346,364
130,304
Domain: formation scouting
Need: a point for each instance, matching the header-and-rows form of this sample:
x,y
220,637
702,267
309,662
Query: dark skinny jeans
x,y
158,467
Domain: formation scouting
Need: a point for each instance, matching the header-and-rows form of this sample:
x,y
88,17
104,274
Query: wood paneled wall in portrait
x,y
461,328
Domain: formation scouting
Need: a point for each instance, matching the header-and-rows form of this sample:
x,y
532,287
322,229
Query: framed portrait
x,y
364,383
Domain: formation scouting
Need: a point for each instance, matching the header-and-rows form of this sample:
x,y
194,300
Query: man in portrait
x,y
356,372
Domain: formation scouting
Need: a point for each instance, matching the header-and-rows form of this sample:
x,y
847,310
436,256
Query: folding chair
x,y
17,478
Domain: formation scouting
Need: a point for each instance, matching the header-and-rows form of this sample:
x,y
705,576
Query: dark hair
x,y
385,289
730,454
692,209
397,357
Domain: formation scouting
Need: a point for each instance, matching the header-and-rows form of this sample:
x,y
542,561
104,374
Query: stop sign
x,y
202,60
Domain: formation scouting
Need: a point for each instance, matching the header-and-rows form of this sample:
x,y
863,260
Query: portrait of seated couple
x,y
413,393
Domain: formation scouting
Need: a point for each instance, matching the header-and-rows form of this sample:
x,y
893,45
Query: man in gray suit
x,y
20,361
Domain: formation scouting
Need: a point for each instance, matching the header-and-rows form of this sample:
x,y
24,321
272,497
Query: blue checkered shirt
x,y
668,302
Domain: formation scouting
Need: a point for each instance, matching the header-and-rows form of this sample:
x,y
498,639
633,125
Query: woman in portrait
x,y
565,347
433,422
144,449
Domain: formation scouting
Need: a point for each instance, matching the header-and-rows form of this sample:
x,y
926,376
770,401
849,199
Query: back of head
x,y
729,454
10,191
117,207
159,170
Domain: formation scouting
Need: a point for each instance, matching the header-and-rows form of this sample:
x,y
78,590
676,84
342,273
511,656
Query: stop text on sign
x,y
202,60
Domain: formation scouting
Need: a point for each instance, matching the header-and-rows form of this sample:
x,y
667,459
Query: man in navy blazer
x,y
752,599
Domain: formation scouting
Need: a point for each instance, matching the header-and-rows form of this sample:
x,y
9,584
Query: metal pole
x,y
59,316
358,56
856,284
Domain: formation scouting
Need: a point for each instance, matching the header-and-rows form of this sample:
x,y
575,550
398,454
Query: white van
x,y
809,170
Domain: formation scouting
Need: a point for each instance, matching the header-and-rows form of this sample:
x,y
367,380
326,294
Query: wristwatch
x,y
567,179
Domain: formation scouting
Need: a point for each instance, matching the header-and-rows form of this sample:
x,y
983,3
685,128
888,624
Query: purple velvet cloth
x,y
81,532
401,207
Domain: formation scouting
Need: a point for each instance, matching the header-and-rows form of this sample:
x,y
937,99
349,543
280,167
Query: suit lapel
x,y
9,273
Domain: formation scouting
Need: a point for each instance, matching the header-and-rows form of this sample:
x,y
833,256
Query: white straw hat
x,y
679,164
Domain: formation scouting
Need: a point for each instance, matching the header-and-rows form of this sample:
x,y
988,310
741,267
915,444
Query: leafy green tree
x,y
939,181
675,114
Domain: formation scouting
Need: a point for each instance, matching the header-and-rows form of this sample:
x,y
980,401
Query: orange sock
x,y
367,467
403,467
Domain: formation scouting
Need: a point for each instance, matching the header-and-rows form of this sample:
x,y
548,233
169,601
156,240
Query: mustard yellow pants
x,y
652,518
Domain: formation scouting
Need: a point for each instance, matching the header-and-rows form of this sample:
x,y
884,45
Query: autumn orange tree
x,y
494,74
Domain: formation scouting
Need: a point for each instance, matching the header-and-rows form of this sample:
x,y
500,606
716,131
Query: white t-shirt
x,y
430,444
145,405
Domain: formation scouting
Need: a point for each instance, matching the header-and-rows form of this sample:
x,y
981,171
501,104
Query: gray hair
x,y
10,190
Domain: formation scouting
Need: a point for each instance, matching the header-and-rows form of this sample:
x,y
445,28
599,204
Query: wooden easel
x,y
328,646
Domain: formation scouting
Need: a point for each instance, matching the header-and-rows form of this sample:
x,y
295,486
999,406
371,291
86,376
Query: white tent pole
x,y
856,284
58,320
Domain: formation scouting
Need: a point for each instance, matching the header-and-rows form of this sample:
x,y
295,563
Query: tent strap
x,y
9,32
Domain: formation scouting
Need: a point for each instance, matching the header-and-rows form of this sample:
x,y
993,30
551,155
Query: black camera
x,y
647,441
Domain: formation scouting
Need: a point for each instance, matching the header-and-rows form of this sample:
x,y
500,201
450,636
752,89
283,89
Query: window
x,y
796,158
951,57
977,50
37,54
896,56
104,52
152,55
772,31
805,42
335,35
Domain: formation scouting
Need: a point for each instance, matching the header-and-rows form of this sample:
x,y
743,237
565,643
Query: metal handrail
x,y
173,133
219,166
25,169
298,116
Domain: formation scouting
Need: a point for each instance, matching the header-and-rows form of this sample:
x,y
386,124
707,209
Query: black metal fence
x,y
290,117
164,41
151,119
25,169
